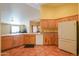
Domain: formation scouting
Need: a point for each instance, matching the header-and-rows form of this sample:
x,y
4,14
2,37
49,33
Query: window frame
x,y
15,31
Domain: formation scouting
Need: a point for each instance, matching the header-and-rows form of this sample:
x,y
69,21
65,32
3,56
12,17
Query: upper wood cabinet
x,y
44,24
48,25
6,42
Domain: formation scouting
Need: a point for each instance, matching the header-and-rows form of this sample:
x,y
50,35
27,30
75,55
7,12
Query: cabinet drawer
x,y
68,46
68,42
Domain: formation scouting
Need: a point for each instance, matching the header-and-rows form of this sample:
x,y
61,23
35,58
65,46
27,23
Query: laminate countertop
x,y
19,34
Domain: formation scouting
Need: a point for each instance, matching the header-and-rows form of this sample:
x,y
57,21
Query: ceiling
x,y
18,11
34,5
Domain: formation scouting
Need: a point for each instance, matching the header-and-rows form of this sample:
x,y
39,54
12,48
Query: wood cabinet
x,y
18,40
47,39
48,25
6,42
26,39
29,39
44,24
55,38
50,39
32,39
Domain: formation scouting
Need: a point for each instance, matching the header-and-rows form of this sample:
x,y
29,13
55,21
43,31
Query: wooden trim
x,y
63,17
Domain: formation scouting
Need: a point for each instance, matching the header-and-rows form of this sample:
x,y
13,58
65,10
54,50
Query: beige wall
x,y
5,28
22,27
53,11
0,39
78,8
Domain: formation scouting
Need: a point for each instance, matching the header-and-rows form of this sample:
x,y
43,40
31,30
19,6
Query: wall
x,y
6,28
53,11
0,38
78,8
0,28
34,23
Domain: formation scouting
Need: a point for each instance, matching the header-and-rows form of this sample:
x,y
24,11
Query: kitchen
x,y
35,28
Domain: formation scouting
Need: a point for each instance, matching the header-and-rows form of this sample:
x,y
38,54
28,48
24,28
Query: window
x,y
15,29
34,29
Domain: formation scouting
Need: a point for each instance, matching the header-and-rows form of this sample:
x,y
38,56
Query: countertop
x,y
18,34
26,33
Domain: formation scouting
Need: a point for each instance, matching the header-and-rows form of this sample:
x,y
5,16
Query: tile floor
x,y
36,51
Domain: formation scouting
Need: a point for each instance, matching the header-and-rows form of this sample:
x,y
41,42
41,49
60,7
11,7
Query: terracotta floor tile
x,y
36,51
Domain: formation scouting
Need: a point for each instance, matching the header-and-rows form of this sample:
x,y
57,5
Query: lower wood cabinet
x,y
55,38
47,39
18,40
30,39
7,42
50,39
26,39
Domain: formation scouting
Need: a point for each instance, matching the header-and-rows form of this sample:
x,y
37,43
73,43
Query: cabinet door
x,y
26,39
50,39
6,42
47,39
18,40
55,38
44,23
21,39
32,39
29,39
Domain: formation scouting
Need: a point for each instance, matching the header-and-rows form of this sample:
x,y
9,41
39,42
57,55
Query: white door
x,y
39,39
67,34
